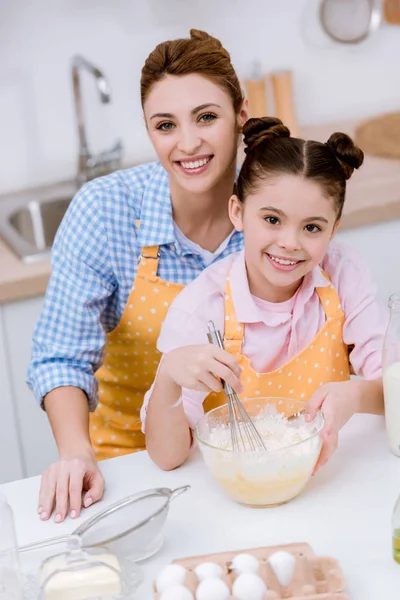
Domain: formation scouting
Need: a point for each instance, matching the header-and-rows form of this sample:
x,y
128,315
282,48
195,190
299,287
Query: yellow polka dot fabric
x,y
324,360
130,362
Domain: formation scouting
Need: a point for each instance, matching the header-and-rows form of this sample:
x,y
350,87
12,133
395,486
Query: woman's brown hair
x,y
201,54
270,151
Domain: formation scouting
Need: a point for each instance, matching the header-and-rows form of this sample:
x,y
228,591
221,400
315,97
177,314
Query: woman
x,y
126,247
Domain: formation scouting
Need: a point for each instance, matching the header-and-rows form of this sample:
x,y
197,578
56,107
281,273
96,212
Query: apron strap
x,y
148,261
330,300
234,331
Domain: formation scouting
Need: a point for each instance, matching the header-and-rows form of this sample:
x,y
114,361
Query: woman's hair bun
x,y
349,155
203,36
261,129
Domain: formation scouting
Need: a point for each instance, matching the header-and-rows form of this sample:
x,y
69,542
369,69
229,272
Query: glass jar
x,y
391,375
396,531
10,576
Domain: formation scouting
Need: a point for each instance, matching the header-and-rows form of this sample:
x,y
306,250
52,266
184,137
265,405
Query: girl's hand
x,y
201,368
71,483
339,402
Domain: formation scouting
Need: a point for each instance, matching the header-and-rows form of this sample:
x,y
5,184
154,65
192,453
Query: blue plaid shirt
x,y
94,263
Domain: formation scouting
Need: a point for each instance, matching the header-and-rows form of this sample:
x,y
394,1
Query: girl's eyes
x,y
311,228
272,220
169,126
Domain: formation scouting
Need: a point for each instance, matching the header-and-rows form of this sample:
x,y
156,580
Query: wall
x,y
38,141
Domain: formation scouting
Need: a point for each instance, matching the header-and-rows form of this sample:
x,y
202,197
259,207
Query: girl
x,y
297,311
128,244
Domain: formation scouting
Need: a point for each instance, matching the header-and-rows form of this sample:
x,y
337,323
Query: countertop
x,y
373,196
345,512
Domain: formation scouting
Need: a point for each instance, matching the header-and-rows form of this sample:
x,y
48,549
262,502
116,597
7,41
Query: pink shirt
x,y
276,332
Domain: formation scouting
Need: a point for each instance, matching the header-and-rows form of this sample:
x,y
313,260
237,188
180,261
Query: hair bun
x,y
347,153
198,34
258,130
203,36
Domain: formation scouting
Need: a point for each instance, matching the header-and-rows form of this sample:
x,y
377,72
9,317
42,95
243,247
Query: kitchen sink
x,y
29,221
37,223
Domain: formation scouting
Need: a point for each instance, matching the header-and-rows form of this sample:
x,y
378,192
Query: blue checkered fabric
x,y
94,263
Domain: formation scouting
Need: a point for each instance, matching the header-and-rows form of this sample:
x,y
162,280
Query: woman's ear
x,y
236,212
243,115
335,228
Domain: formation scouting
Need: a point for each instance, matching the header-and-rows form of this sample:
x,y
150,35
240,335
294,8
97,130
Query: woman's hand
x,y
201,368
72,482
338,401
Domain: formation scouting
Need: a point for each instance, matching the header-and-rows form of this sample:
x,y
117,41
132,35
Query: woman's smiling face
x,y
192,124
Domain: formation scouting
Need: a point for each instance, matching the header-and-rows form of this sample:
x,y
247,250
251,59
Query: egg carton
x,y
314,577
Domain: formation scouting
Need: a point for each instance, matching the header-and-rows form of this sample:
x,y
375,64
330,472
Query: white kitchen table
x,y
345,512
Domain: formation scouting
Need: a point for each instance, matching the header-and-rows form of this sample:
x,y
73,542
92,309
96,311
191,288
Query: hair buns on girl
x,y
349,155
259,130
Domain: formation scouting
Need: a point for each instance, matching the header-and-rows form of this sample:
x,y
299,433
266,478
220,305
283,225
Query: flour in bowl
x,y
276,430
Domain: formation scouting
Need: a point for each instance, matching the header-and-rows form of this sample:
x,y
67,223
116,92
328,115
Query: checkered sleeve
x,y
69,338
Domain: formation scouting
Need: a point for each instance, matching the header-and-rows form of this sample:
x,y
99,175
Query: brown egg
x,y
308,590
271,595
191,581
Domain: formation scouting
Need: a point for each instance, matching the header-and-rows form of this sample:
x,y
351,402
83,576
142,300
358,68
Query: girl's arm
x,y
186,369
364,330
168,435
366,317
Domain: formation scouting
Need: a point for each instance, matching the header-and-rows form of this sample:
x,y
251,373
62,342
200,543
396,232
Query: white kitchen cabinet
x,y
37,445
11,466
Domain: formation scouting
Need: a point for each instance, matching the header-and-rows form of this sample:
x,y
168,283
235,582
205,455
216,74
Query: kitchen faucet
x,y
89,165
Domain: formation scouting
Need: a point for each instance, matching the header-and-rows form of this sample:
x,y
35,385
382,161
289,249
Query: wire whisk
x,y
244,434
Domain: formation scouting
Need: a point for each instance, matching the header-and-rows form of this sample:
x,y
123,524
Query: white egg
x,y
249,586
206,570
212,589
245,563
177,592
170,576
283,564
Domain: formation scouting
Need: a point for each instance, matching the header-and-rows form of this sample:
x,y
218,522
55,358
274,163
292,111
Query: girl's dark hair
x,y
270,151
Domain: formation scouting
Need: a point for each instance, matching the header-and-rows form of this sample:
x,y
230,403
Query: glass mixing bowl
x,y
268,477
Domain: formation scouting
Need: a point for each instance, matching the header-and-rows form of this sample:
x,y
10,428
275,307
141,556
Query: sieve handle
x,y
44,543
178,492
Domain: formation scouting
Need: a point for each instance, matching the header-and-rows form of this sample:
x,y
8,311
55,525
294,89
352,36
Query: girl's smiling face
x,y
288,223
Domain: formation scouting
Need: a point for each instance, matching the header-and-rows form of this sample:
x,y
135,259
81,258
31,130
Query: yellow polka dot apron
x,y
325,359
130,362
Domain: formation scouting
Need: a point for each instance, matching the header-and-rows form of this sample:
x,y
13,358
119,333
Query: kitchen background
x,y
38,141
38,138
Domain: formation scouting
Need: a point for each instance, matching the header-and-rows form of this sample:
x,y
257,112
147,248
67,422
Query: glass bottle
x,y
396,531
10,576
391,375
